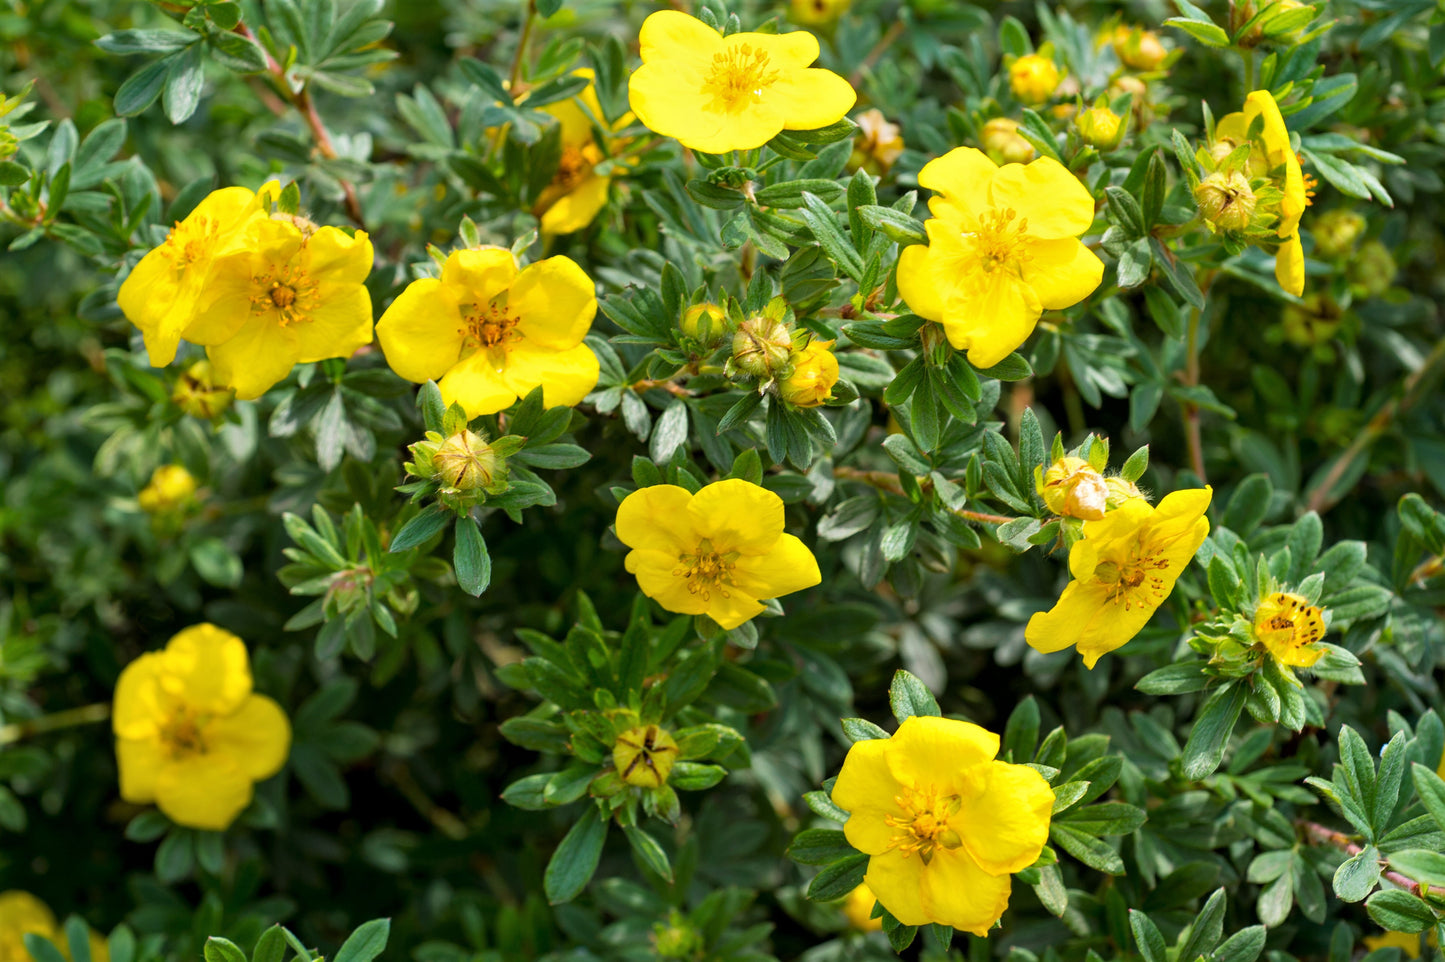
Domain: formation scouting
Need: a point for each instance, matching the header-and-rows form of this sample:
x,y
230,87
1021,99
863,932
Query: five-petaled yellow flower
x,y
815,371
713,553
293,296
1123,571
170,286
945,823
190,733
489,334
1002,248
1282,162
577,192
1288,627
714,93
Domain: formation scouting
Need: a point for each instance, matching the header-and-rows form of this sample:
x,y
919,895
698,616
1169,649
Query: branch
x,y
1315,832
671,387
887,481
70,718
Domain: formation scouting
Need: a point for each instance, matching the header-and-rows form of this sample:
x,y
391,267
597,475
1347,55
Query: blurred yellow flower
x,y
164,292
489,334
1101,127
1002,249
1003,143
714,93
815,371
1033,78
191,735
713,553
1137,48
294,296
197,393
1280,159
858,907
879,143
1123,571
171,488
817,13
944,822
577,192
1288,627
1404,941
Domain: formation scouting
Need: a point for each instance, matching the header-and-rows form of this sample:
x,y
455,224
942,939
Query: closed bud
x,y
1314,322
878,145
172,489
1073,489
1139,49
815,371
1373,269
643,756
762,347
1003,144
1101,127
691,323
1226,200
1034,78
817,13
467,463
1336,231
677,938
199,396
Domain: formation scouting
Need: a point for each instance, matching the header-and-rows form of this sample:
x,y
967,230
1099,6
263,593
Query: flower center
x,y
574,165
190,242
922,826
489,326
707,570
999,243
286,291
738,77
182,735
283,296
1284,621
1134,577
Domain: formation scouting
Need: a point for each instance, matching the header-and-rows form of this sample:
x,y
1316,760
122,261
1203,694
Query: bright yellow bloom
x,y
1071,488
577,192
1123,571
1002,249
713,553
858,906
191,735
1034,78
294,296
171,488
716,93
168,288
1289,262
691,322
1288,627
489,334
815,371
643,756
944,822
816,13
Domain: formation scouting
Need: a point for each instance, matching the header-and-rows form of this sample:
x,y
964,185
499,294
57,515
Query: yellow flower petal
x,y
1232,127
897,883
655,577
421,332
566,376
344,259
1008,824
665,96
917,282
203,791
1062,272
787,567
1043,192
225,306
1289,266
796,49
477,276
813,98
960,179
666,32
1072,616
956,891
339,325
23,914
477,385
140,761
737,515
865,788
992,320
209,666
731,608
151,297
578,207
139,700
655,518
941,751
260,355
555,301
256,737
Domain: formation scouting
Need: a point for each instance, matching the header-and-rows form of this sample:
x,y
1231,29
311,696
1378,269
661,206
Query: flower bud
x,y
815,371
643,756
1139,49
816,13
1073,489
1003,144
878,145
172,489
1225,200
467,463
762,347
197,394
677,938
1336,231
691,323
1121,491
1034,78
1101,127
1373,268
1312,323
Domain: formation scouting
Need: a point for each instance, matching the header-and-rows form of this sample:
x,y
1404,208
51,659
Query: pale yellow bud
x,y
1226,200
1002,143
1101,127
762,347
1073,489
643,756
1034,78
465,462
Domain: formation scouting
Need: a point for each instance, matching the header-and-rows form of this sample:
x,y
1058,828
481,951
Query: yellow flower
x,y
815,371
944,822
713,553
1034,78
1289,262
1002,249
577,192
716,93
489,334
1123,570
815,13
171,488
1071,488
1409,944
1003,144
644,756
858,907
191,735
23,914
197,394
1137,48
1288,627
879,143
168,288
691,322
1101,127
294,296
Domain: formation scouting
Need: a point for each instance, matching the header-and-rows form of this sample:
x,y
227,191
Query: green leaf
x,y
819,846
575,859
184,82
1096,854
838,879
472,562
908,696
862,730
420,528
647,849
42,949
1399,911
1357,876
1147,937
1206,32
366,943
897,226
823,222
141,88
1175,679
1431,789
218,949
1210,737
146,41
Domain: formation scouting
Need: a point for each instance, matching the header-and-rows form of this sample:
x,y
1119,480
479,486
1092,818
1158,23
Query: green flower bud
x,y
1226,200
762,347
467,463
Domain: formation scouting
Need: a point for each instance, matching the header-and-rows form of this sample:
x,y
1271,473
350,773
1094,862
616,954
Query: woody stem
x,y
1319,834
1193,433
521,56
70,718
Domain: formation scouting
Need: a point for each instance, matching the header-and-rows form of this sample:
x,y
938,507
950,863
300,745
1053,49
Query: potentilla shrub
x,y
591,482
